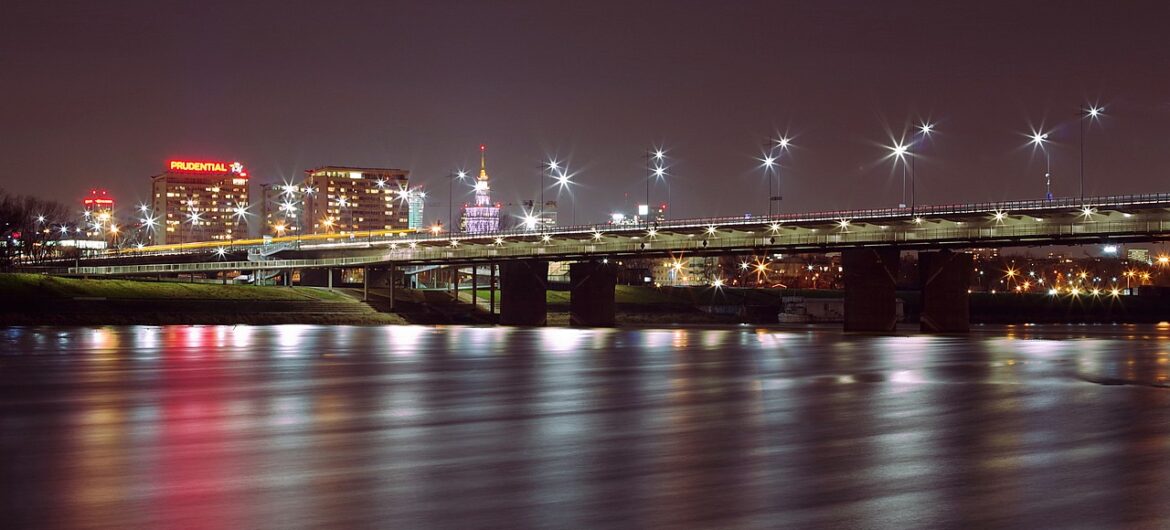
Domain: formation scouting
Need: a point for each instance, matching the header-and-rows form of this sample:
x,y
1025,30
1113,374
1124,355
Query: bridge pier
x,y
945,277
591,295
492,288
523,285
870,276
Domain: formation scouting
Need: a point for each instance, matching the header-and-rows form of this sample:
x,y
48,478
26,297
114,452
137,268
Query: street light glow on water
x,y
739,426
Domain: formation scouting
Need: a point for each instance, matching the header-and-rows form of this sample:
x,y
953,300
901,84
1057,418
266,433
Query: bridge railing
x,y
1040,232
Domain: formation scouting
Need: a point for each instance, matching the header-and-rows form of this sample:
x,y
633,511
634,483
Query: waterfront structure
x,y
199,201
344,199
483,216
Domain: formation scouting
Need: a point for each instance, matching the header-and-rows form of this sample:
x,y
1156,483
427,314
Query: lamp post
x,y
563,182
924,130
771,162
1040,139
239,213
552,166
1091,112
451,198
654,169
898,152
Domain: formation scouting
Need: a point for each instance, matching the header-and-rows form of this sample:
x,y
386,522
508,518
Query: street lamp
x,y
899,150
924,131
239,213
655,168
461,175
771,165
1091,112
563,183
1039,139
342,208
552,166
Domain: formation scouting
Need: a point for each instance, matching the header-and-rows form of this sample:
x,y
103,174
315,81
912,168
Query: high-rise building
x,y
200,201
483,216
415,201
98,212
355,199
281,209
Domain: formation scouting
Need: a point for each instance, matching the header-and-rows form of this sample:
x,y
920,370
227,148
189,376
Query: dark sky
x,y
102,94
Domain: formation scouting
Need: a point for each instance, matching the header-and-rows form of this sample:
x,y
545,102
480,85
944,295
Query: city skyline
x,y
709,84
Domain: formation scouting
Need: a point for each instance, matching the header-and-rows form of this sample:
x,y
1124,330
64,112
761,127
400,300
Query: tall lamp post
x,y
552,166
1040,139
772,171
654,169
924,130
898,152
1091,112
461,175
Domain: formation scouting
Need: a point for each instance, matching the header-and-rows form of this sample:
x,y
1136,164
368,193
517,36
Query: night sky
x,y
95,95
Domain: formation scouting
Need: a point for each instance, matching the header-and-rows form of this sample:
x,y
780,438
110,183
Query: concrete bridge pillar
x,y
591,295
522,293
870,276
945,277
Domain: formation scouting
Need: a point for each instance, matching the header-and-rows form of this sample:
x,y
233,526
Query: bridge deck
x,y
1013,223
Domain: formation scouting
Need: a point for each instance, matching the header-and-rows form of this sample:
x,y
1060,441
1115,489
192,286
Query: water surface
x,y
460,427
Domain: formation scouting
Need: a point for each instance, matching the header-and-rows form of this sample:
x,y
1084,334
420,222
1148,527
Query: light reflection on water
x,y
205,426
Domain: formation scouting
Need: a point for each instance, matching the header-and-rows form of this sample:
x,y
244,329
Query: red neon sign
x,y
207,167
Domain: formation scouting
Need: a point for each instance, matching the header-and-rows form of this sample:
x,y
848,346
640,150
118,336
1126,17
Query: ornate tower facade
x,y
483,216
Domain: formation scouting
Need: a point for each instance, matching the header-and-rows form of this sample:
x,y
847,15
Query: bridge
x,y
870,241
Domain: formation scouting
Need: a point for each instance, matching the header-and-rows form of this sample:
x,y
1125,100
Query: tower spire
x,y
483,162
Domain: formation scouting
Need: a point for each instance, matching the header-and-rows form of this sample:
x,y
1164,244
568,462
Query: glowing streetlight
x,y
1088,113
898,151
1039,139
925,129
461,175
775,148
655,170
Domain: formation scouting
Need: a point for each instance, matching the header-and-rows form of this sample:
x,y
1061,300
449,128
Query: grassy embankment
x,y
37,299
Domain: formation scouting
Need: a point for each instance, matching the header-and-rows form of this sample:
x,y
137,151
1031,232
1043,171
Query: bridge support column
x,y
945,277
329,274
591,295
474,285
522,297
492,288
870,275
365,283
390,282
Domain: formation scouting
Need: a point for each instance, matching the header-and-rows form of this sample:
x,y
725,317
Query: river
x,y
461,427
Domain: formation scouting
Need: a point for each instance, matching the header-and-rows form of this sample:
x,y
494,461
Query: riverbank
x,y
30,299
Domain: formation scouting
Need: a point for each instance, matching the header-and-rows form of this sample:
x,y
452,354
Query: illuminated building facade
x,y
483,216
355,199
415,201
280,211
98,212
197,201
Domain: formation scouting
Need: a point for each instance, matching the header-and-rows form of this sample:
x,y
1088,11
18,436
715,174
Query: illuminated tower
x,y
483,216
